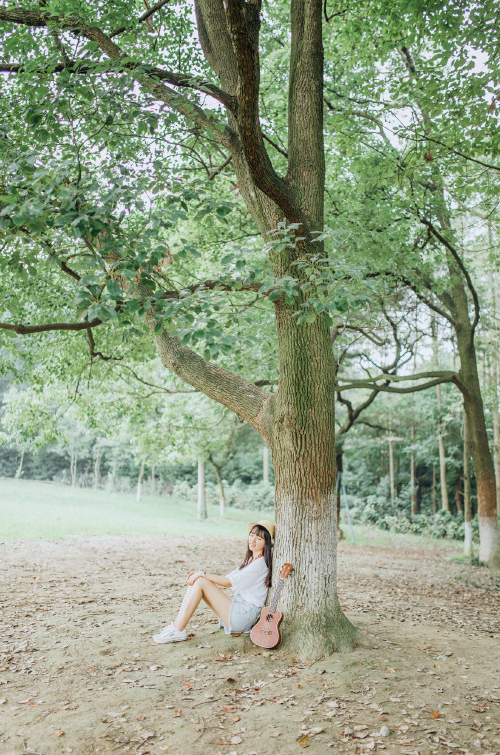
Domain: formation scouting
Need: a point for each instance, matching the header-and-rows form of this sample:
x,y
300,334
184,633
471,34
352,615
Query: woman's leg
x,y
203,589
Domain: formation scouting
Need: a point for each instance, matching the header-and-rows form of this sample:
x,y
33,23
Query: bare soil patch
x,y
79,673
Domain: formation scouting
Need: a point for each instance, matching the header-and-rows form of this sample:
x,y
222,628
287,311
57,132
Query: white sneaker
x,y
170,634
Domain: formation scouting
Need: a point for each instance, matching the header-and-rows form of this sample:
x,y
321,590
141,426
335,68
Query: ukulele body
x,y
266,633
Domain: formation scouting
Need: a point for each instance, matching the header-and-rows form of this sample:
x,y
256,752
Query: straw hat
x,y
269,526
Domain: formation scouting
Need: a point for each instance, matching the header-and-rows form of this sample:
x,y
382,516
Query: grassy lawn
x,y
31,510
365,534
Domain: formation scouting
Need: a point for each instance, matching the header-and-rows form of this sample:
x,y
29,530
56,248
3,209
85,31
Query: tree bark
x,y
202,503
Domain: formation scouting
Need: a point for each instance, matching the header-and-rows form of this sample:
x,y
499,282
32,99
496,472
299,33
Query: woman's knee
x,y
202,583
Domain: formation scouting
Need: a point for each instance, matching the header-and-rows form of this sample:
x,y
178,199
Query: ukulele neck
x,y
276,596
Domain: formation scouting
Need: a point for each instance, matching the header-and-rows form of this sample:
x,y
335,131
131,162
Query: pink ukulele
x,y
266,633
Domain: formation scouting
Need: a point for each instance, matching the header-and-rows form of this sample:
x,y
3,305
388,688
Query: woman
x,y
250,582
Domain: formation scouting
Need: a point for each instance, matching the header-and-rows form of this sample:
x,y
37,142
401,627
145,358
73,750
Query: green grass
x,y
33,510
368,535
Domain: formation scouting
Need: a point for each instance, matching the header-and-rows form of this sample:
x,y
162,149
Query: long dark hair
x,y
267,552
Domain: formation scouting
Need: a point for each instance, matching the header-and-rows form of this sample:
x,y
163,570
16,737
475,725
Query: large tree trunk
x,y
303,448
297,421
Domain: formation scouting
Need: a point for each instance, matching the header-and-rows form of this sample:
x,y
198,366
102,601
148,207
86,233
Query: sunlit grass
x,y
32,510
368,535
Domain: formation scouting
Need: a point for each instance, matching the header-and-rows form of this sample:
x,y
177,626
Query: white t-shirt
x,y
249,582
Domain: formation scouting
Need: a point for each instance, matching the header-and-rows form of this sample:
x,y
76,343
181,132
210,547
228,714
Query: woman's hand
x,y
193,576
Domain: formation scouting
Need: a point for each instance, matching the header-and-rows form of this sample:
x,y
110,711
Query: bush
x,y
184,490
378,509
256,496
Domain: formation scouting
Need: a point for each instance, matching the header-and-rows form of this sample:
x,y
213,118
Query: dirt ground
x,y
79,673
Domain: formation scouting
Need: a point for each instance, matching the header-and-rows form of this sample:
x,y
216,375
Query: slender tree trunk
x,y
140,480
414,488
467,498
458,494
489,541
153,480
115,466
339,463
202,503
222,492
445,504
496,431
97,467
434,489
265,476
391,472
73,467
19,469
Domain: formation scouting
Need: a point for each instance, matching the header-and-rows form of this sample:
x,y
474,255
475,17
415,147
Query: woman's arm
x,y
215,578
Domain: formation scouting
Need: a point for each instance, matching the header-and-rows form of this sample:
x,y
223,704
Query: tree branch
x,y
460,264
142,18
211,285
28,329
150,77
353,414
439,376
243,20
306,162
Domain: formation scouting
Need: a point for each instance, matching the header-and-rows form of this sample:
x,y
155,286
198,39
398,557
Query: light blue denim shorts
x,y
242,616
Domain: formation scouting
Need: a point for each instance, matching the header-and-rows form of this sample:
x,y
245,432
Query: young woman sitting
x,y
250,582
